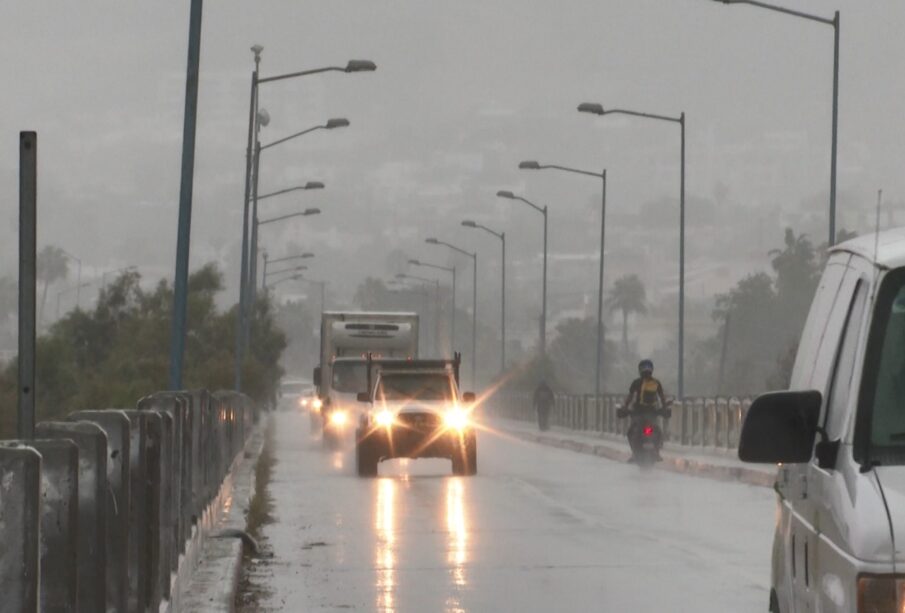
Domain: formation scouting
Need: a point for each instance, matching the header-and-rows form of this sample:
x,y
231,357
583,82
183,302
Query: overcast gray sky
x,y
464,90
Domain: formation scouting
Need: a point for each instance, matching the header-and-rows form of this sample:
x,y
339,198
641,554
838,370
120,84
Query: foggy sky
x,y
463,92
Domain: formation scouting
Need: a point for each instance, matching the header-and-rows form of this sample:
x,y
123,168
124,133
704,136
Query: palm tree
x,y
52,265
628,296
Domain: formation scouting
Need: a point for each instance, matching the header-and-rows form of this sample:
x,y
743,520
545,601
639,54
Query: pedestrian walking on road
x,y
543,402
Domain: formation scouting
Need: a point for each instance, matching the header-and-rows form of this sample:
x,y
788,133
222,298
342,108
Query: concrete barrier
x,y
59,524
91,441
117,426
142,530
20,517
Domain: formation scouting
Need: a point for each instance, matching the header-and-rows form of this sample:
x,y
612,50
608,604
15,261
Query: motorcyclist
x,y
645,396
543,402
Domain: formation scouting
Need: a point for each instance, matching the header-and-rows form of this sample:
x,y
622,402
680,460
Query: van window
x,y
812,335
834,421
880,430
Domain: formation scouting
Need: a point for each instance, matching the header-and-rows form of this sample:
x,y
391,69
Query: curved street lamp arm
x,y
645,115
575,170
499,235
282,217
291,136
283,191
454,248
303,73
436,266
780,9
292,257
282,270
539,209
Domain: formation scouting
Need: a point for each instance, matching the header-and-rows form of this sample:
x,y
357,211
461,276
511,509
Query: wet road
x,y
539,529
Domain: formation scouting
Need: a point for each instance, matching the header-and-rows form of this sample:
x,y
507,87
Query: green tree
x,y
52,265
628,296
573,354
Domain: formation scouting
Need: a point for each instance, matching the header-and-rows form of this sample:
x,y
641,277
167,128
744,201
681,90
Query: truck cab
x,y
838,436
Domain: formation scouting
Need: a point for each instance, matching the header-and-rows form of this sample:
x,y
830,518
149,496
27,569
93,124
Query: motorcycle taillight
x,y
648,431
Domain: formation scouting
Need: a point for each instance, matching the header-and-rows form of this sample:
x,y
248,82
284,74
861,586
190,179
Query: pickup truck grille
x,y
421,421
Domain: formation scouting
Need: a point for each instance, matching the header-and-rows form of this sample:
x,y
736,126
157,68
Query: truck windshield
x,y
885,375
415,386
350,377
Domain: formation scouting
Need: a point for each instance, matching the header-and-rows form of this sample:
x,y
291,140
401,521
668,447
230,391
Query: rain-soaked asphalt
x,y
538,529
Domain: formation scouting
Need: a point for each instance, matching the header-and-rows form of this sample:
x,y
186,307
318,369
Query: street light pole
x,y
452,322
601,333
597,109
502,236
78,287
835,22
474,305
543,317
180,282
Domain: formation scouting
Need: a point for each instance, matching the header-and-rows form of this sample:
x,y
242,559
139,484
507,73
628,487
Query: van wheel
x,y
465,458
774,602
365,458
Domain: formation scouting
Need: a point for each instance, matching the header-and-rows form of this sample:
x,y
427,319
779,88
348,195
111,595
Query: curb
x,y
209,571
671,462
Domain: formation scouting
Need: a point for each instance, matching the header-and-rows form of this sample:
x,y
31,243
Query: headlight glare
x,y
456,418
384,418
338,417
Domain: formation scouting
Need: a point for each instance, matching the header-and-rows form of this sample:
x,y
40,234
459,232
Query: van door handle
x,y
804,486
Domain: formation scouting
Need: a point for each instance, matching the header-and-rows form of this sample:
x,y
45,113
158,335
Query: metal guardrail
x,y
96,511
710,423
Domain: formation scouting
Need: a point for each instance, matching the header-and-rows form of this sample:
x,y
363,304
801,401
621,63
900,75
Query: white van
x,y
839,438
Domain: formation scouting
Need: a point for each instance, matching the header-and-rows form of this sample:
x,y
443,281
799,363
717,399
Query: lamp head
x,y
431,241
337,122
415,262
400,275
306,255
257,49
263,117
505,194
469,224
314,211
529,165
314,185
361,66
591,107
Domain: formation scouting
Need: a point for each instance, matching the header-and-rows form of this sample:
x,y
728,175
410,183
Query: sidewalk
x,y
712,464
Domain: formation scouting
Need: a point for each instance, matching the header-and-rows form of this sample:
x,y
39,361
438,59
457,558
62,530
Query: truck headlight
x,y
881,593
384,418
338,417
456,419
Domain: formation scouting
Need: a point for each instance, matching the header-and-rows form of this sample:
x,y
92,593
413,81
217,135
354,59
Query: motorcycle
x,y
644,434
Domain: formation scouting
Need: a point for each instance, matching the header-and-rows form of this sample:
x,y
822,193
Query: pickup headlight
x,y
456,419
384,418
338,417
317,404
881,593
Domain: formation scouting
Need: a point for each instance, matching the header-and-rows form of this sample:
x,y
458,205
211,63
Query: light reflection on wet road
x,y
537,529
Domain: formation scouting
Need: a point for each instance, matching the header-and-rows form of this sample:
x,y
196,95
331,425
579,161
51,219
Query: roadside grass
x,y
260,513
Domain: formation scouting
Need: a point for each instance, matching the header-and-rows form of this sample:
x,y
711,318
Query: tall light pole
x,y
835,23
187,175
452,315
474,305
350,67
543,317
597,109
533,165
468,223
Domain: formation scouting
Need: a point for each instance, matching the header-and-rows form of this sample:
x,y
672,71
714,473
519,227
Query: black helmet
x,y
645,366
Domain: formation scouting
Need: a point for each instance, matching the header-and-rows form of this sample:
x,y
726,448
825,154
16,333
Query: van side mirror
x,y
316,376
363,397
780,427
468,397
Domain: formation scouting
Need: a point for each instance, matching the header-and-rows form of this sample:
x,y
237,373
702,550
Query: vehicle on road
x,y
645,434
292,392
839,437
347,339
415,410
